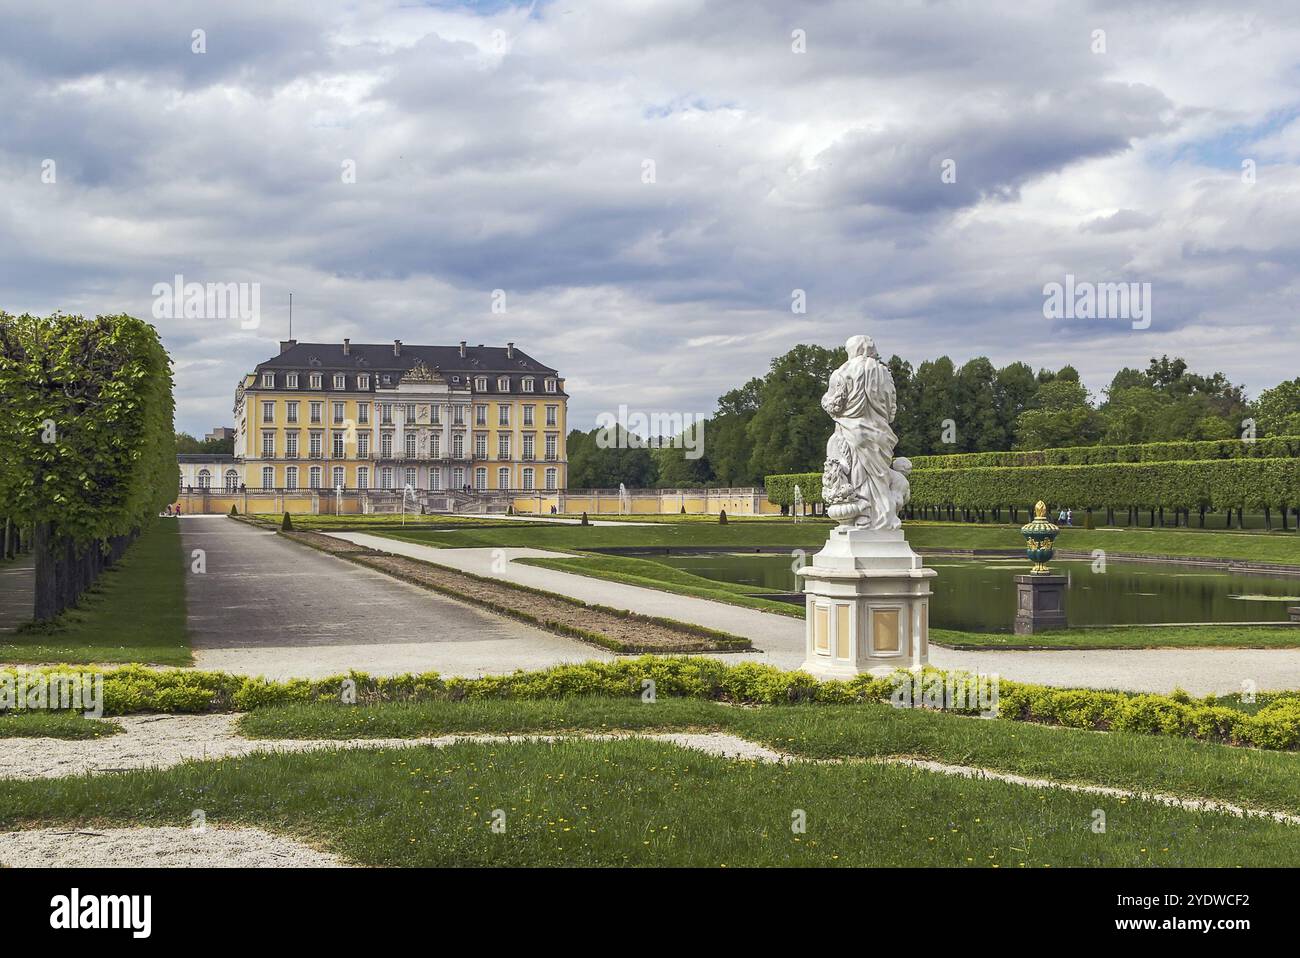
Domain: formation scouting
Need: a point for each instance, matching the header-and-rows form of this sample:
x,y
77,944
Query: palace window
x,y
338,412
314,380
528,384
291,412
528,478
410,477
503,384
291,380
410,412
363,477
386,477
268,380
338,477
528,415
268,444
550,447
435,414
363,413
434,444
458,446
480,384
363,381
205,479
503,478
503,415
386,414
314,444
316,410
550,478
291,445
268,477
550,385
528,447
552,414
458,415
340,381
435,480
480,415
458,477
291,477
337,445
503,446
386,445
232,480
480,446
363,445
480,479
268,412
410,445
314,477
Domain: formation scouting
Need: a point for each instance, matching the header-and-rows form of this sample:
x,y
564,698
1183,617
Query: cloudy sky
x,y
794,147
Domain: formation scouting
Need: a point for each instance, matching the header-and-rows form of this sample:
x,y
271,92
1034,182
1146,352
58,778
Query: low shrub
x,y
1274,725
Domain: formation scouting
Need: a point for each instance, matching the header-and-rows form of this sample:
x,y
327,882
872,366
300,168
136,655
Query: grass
x,y
70,725
134,613
637,802
1245,546
1248,777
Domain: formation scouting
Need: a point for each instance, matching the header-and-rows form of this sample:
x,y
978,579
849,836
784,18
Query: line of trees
x,y
775,424
87,448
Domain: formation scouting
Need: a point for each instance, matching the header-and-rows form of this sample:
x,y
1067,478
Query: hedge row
x,y
1212,484
1276,724
1274,447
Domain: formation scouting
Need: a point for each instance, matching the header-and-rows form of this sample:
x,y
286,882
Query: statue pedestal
x,y
868,605
1040,603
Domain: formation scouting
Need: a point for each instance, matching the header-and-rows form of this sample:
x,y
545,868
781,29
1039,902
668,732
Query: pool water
x,y
978,594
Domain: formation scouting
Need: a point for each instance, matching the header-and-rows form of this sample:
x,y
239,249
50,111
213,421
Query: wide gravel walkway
x,y
267,606
779,639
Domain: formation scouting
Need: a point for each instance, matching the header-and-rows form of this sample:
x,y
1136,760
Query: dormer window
x,y
340,381
480,384
315,380
363,382
503,384
268,380
528,384
291,380
550,385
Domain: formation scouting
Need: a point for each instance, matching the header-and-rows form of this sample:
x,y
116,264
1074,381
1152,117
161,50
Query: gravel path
x,y
270,607
780,639
158,848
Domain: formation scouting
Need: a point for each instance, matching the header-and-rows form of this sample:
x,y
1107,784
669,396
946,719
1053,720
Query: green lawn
x,y
54,725
134,613
1261,547
1176,766
635,802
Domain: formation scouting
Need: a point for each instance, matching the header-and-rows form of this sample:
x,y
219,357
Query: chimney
x,y
397,347
287,344
510,350
462,349
347,346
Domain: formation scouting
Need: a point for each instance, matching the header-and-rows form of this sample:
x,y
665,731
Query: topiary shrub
x,y
722,517
584,520
234,510
286,524
683,510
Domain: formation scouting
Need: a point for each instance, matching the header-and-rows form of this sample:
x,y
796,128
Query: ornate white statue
x,y
862,485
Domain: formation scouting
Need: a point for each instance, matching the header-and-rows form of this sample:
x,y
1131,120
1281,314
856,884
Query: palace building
x,y
364,416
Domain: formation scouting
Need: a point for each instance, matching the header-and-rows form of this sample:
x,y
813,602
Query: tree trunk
x,y
1268,519
46,605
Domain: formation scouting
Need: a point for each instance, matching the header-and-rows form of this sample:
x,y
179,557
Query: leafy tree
x,y
1278,409
726,436
1062,417
788,431
626,461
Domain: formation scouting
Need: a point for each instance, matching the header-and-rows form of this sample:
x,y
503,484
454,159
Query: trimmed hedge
x,y
1187,484
1274,447
134,688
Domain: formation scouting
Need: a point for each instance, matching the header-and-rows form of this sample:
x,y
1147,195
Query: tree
x,y
978,424
1278,409
1062,417
624,460
936,391
788,431
726,436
